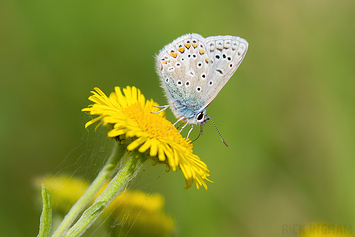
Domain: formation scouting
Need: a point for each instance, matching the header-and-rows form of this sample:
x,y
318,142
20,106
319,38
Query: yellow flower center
x,y
154,125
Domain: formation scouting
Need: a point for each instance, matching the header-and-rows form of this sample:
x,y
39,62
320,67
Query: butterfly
x,y
193,70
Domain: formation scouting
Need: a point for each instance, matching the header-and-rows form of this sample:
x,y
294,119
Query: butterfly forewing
x,y
226,54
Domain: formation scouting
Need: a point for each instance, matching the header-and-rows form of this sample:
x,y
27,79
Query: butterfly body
x,y
193,70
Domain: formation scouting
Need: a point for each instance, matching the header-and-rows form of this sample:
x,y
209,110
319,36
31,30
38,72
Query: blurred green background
x,y
287,114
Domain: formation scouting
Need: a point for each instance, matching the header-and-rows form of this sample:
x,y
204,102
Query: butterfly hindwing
x,y
183,68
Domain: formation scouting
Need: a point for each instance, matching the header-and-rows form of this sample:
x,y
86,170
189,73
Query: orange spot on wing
x,y
201,51
187,45
164,62
182,49
194,45
173,54
206,59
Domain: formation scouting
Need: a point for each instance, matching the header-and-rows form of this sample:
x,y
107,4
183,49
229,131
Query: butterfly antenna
x,y
217,130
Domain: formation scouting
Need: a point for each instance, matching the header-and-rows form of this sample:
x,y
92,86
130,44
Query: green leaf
x,y
46,216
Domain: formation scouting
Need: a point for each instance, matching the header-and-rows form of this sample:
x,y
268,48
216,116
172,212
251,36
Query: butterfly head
x,y
188,113
201,118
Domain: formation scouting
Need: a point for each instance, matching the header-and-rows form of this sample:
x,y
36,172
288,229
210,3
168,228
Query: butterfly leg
x,y
183,127
201,132
178,127
164,107
188,134
177,122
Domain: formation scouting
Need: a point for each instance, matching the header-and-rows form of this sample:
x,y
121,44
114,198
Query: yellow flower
x,y
132,116
65,190
138,214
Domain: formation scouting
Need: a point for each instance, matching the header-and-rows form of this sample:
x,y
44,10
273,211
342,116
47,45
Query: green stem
x,y
46,216
117,153
129,169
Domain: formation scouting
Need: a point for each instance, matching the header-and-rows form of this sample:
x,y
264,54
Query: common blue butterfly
x,y
193,69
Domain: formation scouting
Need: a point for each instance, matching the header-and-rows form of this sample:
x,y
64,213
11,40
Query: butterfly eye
x,y
200,116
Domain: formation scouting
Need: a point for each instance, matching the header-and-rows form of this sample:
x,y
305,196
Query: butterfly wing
x,y
193,70
225,55
182,66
